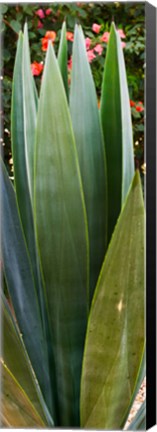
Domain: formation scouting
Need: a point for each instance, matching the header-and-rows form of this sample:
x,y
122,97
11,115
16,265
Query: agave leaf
x,y
23,121
63,58
116,324
20,283
30,101
90,147
16,359
62,237
139,422
16,408
117,128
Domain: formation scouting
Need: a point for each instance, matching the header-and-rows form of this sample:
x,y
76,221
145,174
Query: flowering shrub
x,y
97,48
44,24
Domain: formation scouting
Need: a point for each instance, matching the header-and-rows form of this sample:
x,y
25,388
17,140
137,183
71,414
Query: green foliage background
x,y
128,16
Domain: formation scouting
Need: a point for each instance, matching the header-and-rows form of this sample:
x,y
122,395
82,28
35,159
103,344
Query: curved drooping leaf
x,y
91,153
117,128
16,408
63,58
62,236
115,334
15,358
20,283
139,422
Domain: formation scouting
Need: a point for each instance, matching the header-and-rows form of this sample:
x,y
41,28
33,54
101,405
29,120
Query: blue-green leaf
x,y
20,283
61,230
139,422
30,101
91,153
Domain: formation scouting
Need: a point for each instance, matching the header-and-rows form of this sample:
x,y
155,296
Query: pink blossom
x,y
40,13
123,44
88,43
48,11
105,37
96,28
90,55
40,24
70,64
121,33
99,49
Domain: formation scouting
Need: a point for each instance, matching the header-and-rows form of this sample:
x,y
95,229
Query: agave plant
x,y
72,246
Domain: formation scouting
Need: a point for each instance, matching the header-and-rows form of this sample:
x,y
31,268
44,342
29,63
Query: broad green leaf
x,y
63,58
15,358
117,128
139,422
23,121
115,334
90,147
62,236
16,26
20,283
16,408
29,110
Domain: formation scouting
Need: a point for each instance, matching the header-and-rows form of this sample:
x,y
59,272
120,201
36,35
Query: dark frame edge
x,y
150,151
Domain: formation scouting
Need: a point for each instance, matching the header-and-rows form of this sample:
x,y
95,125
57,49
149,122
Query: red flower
x,y
139,107
96,28
36,68
105,37
99,49
48,11
40,13
132,103
90,55
49,36
69,36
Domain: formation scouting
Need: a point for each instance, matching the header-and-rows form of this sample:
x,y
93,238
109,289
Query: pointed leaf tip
x,y
136,178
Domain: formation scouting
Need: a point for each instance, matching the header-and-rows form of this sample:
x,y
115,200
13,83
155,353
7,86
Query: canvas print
x,y
73,219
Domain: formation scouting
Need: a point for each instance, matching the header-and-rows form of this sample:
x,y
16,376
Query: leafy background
x,y
130,17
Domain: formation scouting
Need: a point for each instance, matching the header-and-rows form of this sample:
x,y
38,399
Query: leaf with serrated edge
x,y
115,334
